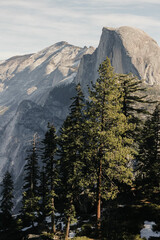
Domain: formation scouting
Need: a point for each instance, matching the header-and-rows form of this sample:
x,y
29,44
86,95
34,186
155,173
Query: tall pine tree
x,y
6,205
71,147
134,96
109,152
135,106
30,206
49,175
148,167
43,203
135,103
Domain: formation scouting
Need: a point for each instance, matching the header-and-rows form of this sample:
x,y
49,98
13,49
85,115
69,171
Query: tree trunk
x,y
67,228
53,218
158,134
99,198
99,177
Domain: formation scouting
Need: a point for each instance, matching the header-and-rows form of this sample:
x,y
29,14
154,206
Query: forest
x,y
99,175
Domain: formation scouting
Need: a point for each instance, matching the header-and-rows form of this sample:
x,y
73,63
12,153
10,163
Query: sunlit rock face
x,y
37,88
34,89
129,49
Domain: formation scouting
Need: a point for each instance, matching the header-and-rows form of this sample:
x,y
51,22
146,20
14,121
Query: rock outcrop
x,y
129,49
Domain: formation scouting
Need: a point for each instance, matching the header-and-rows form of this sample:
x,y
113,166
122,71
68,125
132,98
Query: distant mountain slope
x,y
36,89
33,76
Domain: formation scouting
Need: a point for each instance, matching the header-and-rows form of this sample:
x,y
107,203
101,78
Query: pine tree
x,y
30,206
6,205
109,151
133,95
43,193
148,166
135,102
49,175
71,155
135,107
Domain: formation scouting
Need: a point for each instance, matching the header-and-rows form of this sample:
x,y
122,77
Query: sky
x,y
28,26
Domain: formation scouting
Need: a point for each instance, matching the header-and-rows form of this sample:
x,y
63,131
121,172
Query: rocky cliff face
x,y
129,49
36,89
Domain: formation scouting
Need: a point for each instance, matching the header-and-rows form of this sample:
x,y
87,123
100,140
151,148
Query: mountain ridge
x,y
129,49
37,88
28,86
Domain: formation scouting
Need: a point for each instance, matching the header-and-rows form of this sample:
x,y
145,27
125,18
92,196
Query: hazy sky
x,y
28,26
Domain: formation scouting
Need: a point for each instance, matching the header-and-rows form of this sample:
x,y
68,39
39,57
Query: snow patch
x,y
62,224
26,228
57,214
48,219
72,234
85,221
147,231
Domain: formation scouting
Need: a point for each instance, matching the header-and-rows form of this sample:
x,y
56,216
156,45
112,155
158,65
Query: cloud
x,y
126,2
122,19
28,26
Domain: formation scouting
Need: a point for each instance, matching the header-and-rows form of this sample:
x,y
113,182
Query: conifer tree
x,y
109,151
135,107
6,205
134,95
49,175
71,155
43,203
30,206
148,167
135,102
